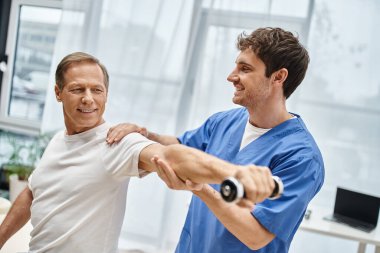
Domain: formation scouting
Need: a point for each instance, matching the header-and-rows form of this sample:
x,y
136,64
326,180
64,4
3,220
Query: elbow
x,y
172,153
180,159
256,245
259,243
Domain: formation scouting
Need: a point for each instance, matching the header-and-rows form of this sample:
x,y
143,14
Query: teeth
x,y
86,110
239,88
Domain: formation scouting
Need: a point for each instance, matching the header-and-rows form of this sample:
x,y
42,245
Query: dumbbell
x,y
232,190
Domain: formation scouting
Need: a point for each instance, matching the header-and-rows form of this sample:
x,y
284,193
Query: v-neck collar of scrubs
x,y
264,140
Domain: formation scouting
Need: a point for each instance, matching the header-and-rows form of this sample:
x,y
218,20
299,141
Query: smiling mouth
x,y
239,88
87,110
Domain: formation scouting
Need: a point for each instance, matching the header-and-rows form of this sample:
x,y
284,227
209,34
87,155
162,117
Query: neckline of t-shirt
x,y
86,134
263,130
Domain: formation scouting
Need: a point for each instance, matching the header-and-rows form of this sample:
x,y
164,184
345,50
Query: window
x,y
31,37
5,7
214,51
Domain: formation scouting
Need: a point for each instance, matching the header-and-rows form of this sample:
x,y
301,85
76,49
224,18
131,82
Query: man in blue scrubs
x,y
271,65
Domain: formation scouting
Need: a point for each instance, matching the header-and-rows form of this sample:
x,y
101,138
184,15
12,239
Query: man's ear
x,y
280,76
57,93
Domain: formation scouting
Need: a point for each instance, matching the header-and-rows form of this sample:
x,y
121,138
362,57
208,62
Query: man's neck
x,y
269,121
81,129
269,116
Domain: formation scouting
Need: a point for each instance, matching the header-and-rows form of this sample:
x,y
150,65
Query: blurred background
x,y
168,61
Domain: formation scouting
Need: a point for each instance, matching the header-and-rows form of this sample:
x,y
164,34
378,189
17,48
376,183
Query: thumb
x,y
193,186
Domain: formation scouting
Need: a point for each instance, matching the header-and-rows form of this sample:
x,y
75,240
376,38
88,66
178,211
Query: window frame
x,y
5,8
204,18
7,122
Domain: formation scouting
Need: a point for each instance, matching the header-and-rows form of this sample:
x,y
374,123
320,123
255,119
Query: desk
x,y
317,224
19,242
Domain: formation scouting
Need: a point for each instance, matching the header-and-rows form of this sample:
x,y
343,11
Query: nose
x,y
233,77
87,98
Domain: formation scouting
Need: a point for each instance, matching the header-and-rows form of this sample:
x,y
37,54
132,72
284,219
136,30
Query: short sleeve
x,y
52,143
302,179
200,137
122,159
30,181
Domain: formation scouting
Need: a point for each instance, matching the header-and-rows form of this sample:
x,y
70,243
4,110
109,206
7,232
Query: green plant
x,y
23,171
24,154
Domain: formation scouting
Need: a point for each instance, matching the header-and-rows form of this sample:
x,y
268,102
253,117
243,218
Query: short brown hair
x,y
278,49
77,57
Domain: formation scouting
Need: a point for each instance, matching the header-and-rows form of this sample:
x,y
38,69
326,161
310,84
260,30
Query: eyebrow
x,y
81,84
72,85
241,62
100,86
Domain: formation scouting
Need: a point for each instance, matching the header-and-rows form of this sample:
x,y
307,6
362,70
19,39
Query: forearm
x,y
118,132
196,166
184,163
17,217
162,139
238,220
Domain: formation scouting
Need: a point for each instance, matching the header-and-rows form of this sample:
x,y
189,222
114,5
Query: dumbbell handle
x,y
232,190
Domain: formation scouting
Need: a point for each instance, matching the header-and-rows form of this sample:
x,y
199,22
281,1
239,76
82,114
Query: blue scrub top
x,y
288,150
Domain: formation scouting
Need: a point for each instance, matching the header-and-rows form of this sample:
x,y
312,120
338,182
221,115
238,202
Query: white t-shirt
x,y
251,133
79,191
